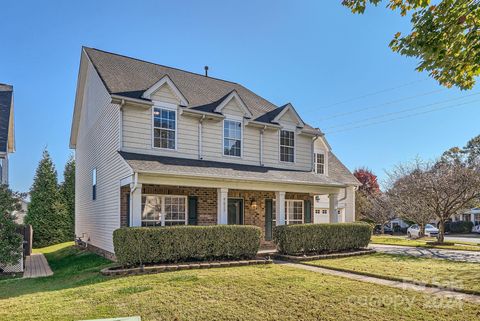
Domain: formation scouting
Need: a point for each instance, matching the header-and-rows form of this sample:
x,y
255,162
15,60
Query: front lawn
x,y
267,292
454,274
404,241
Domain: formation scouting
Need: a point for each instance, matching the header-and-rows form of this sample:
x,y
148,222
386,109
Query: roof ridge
x,y
157,64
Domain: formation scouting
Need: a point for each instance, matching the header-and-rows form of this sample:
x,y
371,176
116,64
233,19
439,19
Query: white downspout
x,y
261,144
122,103
313,152
200,130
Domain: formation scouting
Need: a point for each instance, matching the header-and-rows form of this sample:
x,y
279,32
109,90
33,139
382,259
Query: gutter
x,y
116,99
200,130
313,152
261,144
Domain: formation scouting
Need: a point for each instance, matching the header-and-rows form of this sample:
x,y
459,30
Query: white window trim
x,y
316,164
280,145
162,209
170,107
325,158
287,220
238,120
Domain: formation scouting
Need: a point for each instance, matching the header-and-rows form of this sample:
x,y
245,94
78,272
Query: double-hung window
x,y
319,163
164,210
164,128
232,138
293,212
94,184
287,146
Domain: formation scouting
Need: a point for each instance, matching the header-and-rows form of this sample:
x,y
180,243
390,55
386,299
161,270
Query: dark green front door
x,y
235,211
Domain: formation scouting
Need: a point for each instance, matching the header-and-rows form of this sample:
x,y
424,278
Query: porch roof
x,y
338,175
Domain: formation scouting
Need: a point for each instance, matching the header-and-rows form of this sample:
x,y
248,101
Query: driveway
x,y
464,256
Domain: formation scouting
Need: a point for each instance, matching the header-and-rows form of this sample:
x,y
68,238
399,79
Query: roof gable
x,y
233,96
165,81
290,113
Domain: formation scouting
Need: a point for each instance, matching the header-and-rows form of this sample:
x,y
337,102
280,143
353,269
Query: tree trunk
x,y
422,231
441,231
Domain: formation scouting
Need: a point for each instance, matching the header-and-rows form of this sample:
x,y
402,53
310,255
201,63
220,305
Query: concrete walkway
x,y
463,256
36,266
394,284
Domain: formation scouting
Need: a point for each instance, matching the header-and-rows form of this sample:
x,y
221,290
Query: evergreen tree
x,y
46,213
10,240
67,192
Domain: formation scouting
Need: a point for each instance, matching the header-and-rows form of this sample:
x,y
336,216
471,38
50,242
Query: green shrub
x,y
321,238
144,245
459,227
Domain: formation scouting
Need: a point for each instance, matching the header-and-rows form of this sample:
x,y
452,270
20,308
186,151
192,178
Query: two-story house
x,y
159,146
7,135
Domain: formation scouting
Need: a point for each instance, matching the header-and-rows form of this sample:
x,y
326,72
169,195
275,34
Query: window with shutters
x,y
294,212
164,210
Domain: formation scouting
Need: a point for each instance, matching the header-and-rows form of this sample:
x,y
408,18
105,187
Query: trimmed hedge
x,y
321,238
459,227
145,245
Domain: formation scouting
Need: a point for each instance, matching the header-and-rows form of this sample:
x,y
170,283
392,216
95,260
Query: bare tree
x,y
407,186
433,190
380,210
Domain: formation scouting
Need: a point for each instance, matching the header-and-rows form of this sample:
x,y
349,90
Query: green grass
x,y
453,274
267,292
404,241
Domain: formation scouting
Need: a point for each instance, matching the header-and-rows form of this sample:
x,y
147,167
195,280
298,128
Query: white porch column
x,y
280,208
472,217
222,205
333,208
136,205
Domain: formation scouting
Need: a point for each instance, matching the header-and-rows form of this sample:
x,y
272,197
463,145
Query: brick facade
x,y
207,202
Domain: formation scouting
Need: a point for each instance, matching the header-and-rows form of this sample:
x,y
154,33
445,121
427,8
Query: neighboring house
x,y
159,146
7,135
472,215
22,212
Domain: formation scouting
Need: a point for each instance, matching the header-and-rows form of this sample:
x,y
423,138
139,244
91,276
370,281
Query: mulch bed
x,y
118,270
302,258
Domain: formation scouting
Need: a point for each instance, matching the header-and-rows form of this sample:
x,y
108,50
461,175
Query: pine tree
x,y
67,192
46,213
10,240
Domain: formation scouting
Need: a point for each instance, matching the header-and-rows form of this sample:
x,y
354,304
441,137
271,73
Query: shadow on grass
x,y
71,267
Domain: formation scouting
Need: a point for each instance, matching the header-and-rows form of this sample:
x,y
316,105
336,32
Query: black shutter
x,y
192,210
307,206
268,219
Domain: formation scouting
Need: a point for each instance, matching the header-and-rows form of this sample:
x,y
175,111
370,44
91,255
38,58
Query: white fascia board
x,y
234,95
166,80
81,79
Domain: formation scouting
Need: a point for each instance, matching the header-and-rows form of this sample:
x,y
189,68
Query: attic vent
x,y
206,71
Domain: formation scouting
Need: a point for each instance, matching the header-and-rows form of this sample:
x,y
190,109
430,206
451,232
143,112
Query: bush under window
x,y
146,245
321,238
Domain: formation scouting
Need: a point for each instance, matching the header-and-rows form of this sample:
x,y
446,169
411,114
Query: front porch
x,y
148,202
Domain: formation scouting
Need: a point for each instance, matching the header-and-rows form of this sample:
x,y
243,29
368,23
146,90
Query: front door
x,y
235,211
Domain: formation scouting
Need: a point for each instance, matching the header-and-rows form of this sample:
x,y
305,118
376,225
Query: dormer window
x,y
287,146
164,128
232,138
319,163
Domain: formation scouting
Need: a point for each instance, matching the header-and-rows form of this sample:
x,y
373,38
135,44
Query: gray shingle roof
x,y
338,174
131,77
6,94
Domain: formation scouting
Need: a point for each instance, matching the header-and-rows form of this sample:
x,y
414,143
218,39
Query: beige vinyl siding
x,y
165,94
97,144
137,136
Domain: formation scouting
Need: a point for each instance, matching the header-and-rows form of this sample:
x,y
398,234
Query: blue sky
x,y
316,55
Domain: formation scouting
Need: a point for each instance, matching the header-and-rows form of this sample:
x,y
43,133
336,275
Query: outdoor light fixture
x,y
254,204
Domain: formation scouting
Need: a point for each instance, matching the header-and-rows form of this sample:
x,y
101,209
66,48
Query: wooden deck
x,y
36,266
